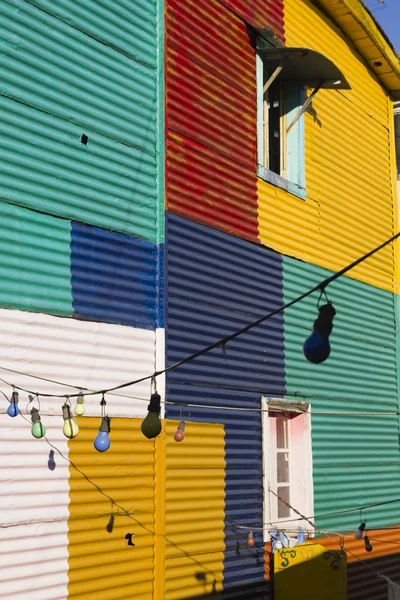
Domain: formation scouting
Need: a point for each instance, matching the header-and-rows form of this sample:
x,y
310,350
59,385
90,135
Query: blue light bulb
x,y
102,441
13,409
316,348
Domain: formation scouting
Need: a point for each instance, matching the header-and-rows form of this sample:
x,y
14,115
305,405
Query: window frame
x,y
301,482
292,175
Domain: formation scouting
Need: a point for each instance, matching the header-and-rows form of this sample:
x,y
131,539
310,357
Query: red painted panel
x,y
208,188
260,14
211,35
210,111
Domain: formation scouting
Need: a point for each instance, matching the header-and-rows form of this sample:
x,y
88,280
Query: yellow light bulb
x,y
70,429
79,408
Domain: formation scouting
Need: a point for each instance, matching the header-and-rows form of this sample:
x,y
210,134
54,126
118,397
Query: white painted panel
x,y
93,355
34,498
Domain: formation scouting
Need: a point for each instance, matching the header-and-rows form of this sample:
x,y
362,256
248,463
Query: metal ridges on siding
x,y
34,261
260,13
215,285
93,355
193,504
119,483
34,511
68,84
191,25
104,183
203,186
355,458
60,70
209,111
113,277
128,27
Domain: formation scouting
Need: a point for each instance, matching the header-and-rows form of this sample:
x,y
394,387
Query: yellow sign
x,y
310,572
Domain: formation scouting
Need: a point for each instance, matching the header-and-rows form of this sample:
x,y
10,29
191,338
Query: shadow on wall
x,y
259,591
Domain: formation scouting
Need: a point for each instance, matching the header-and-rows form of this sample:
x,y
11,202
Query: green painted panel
x,y
44,166
355,458
92,68
34,262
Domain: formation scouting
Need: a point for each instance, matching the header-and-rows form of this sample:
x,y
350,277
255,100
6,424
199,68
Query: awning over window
x,y
305,66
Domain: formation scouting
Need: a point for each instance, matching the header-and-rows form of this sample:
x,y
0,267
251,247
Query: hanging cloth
x,y
393,589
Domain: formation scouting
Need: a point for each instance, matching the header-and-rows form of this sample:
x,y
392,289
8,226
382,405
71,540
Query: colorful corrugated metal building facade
x,y
140,223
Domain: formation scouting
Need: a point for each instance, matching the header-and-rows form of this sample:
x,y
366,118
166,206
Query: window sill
x,y
281,182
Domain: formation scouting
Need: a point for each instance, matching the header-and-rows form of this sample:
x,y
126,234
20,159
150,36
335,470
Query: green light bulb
x,y
151,424
38,429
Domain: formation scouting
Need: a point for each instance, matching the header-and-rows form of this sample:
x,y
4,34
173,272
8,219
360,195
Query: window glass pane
x,y
282,459
283,510
282,437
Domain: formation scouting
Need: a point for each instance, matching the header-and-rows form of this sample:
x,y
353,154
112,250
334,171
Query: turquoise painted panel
x,y
124,25
45,166
52,66
355,458
34,262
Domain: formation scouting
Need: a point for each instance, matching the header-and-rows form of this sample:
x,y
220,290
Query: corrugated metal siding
x,y
126,26
113,277
211,117
213,37
34,511
191,506
200,188
356,458
119,483
59,83
209,111
385,558
216,283
34,261
94,355
349,206
260,13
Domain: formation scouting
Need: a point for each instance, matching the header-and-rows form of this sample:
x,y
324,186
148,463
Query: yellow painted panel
x,y
310,570
120,483
349,205
190,511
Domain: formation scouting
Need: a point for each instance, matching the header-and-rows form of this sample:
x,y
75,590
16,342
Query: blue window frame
x,y
280,154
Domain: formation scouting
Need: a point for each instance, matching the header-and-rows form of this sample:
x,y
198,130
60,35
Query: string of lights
x,y
316,349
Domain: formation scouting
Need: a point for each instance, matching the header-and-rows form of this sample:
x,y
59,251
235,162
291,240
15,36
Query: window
x,y
287,465
280,152
282,75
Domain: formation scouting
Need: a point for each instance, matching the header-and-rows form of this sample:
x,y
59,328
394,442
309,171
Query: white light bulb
x,y
79,408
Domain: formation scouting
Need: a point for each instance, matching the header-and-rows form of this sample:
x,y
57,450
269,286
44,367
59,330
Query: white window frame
x,y
300,467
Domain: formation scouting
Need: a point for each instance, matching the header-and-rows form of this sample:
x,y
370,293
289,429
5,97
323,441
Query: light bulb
x,y
151,424
250,539
70,429
13,409
359,533
368,546
102,441
316,348
38,429
180,432
79,408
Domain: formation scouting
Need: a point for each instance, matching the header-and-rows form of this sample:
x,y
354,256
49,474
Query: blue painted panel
x,y
113,277
217,283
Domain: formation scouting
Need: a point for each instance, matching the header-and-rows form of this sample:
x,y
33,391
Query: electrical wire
x,y
223,341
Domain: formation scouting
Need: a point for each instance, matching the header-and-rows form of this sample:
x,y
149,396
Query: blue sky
x,y
389,19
